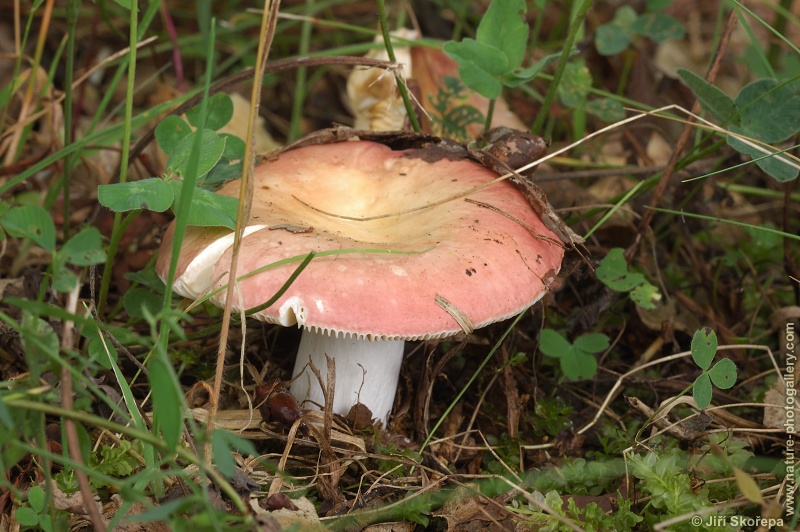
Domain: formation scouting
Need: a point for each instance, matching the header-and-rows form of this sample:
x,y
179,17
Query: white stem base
x,y
366,372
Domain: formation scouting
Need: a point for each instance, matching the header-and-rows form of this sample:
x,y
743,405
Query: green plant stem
x,y
627,65
757,191
73,9
779,27
461,20
487,125
120,71
574,30
724,221
301,78
181,208
401,85
614,209
118,231
105,281
127,128
660,409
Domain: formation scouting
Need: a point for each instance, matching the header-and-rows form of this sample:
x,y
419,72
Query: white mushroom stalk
x,y
377,283
367,371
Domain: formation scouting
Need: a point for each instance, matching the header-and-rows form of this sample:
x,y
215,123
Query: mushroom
x,y
394,271
376,103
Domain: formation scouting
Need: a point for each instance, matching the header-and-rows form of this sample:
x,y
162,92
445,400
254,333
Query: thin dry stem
x,y
245,194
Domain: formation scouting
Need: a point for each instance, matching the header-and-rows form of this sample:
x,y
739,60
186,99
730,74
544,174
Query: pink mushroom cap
x,y
491,259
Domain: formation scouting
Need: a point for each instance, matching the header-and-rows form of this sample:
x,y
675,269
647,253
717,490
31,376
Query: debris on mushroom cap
x,y
488,253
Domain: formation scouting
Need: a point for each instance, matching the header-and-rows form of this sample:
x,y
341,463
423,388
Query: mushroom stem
x,y
367,372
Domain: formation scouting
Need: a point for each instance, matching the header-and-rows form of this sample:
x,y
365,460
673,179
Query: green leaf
x,y
575,85
613,272
576,361
208,209
747,486
713,100
645,295
39,342
701,391
211,148
480,66
553,344
166,402
704,347
220,112
578,365
775,164
770,110
26,516
223,456
503,27
153,194
147,277
723,374
658,26
223,444
136,298
614,37
64,279
224,171
97,351
607,109
624,17
519,77
5,94
5,418
592,343
611,39
84,249
170,131
114,460
36,498
516,360
656,5
32,222
234,146
228,167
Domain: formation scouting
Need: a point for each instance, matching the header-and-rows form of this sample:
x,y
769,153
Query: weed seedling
x,y
35,516
722,374
220,160
35,223
766,111
613,272
616,36
577,359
